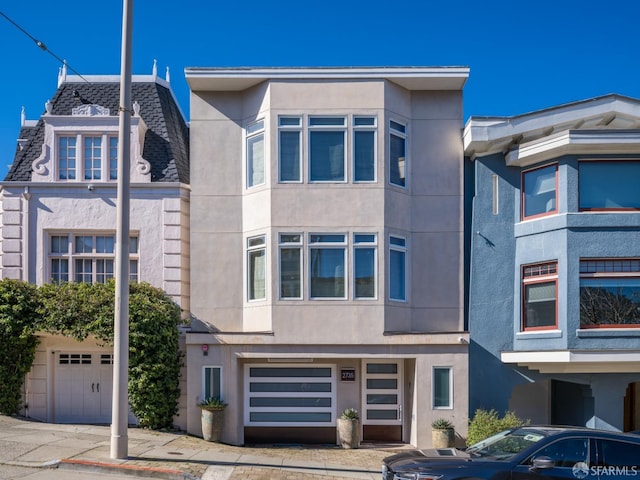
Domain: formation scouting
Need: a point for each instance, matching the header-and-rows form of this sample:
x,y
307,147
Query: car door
x,y
565,458
616,458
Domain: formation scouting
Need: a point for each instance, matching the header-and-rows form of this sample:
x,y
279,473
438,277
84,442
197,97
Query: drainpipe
x,y
25,234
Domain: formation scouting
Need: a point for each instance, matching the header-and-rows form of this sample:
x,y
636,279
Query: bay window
x,y
539,293
609,293
609,185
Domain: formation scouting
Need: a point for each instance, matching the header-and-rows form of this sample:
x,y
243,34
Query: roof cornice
x,y
412,78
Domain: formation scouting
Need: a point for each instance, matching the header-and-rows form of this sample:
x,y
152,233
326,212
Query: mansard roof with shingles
x,y
166,142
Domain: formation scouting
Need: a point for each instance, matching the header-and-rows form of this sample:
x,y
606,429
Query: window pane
x,y
84,244
382,383
67,158
378,399
293,402
113,158
84,271
290,278
382,414
289,387
92,158
397,275
441,387
609,185
59,244
326,121
289,156
539,191
618,454
326,152
568,452
265,372
609,301
364,272
255,160
212,385
540,304
364,156
104,244
327,273
382,368
257,275
290,417
397,160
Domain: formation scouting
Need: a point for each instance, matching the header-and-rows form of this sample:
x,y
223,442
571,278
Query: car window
x,y
566,452
614,453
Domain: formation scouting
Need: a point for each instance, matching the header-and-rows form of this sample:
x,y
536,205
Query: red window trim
x,y
522,194
534,279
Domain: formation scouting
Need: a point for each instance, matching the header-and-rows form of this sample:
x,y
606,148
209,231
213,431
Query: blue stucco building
x,y
554,247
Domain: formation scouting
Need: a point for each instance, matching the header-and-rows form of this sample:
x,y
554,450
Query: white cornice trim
x,y
566,361
412,78
576,142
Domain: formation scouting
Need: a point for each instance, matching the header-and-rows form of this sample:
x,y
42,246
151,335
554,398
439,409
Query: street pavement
x,y
43,451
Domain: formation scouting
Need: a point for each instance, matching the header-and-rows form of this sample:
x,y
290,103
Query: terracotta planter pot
x,y
443,438
348,433
212,423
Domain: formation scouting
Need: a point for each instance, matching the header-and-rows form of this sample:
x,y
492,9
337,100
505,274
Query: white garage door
x,y
83,387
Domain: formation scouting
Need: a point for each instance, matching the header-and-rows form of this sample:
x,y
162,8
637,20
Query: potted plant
x,y
212,416
349,428
442,433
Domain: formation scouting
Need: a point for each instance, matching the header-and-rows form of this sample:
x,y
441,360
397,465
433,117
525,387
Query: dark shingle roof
x,y
166,143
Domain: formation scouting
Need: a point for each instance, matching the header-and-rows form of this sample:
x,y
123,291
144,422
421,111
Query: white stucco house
x,y
58,221
327,251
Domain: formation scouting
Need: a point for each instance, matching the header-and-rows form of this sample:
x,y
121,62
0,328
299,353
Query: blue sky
x,y
523,55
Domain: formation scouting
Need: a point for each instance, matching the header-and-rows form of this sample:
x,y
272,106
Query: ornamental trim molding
x,y
90,110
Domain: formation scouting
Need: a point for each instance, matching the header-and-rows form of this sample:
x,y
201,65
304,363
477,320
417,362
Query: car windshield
x,y
505,445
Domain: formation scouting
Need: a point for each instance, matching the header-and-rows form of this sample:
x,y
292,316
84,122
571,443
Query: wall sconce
x,y
205,349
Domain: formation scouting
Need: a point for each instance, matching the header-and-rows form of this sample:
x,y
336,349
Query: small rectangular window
x,y
539,195
113,158
256,265
364,149
397,269
211,382
327,149
494,194
364,269
92,155
539,293
442,386
67,158
289,148
397,154
255,154
290,266
327,265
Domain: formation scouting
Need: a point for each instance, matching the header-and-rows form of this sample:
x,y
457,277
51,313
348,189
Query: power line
x,y
42,46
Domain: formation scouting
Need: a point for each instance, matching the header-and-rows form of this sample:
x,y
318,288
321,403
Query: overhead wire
x,y
43,47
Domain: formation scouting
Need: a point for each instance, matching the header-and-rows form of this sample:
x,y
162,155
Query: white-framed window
x,y
442,387
290,394
256,268
398,165
87,257
364,265
255,154
289,149
87,157
397,268
327,149
211,382
291,266
364,148
327,265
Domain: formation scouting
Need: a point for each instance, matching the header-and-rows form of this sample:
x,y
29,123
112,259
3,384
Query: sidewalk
x,y
25,443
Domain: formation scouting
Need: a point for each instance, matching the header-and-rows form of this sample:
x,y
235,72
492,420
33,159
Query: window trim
x,y
523,193
298,128
449,405
291,245
533,280
373,128
404,248
328,128
335,245
604,161
362,244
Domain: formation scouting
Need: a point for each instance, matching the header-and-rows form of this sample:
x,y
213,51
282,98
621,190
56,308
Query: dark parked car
x,y
525,453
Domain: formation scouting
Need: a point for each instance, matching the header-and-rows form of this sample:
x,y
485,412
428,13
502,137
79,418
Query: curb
x,y
133,470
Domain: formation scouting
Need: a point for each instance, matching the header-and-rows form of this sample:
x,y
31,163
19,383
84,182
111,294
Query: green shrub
x,y
487,423
350,414
18,304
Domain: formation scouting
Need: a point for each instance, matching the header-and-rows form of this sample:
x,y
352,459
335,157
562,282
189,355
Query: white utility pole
x,y
120,405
